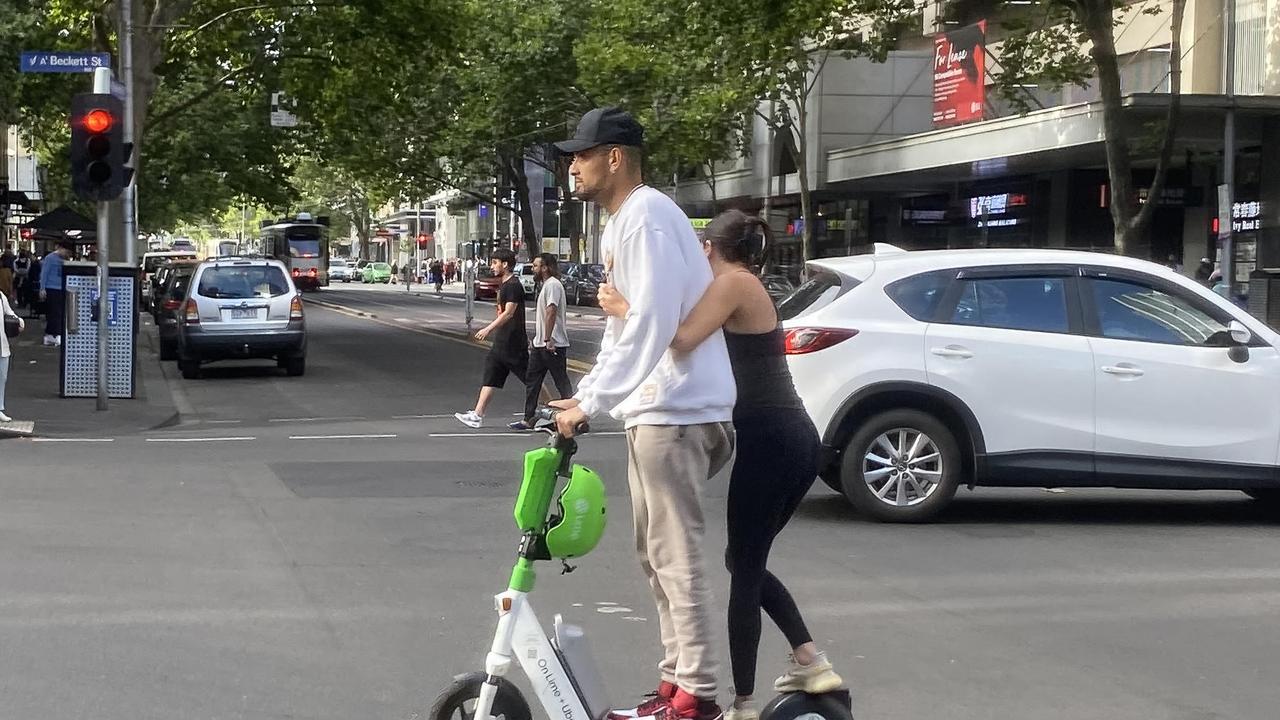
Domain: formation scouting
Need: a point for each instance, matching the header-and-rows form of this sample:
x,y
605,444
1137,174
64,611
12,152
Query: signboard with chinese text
x,y
959,75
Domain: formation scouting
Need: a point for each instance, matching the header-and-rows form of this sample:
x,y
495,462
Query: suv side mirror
x,y
1240,334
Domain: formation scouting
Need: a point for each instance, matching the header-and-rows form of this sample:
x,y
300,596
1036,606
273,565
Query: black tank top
x,y
760,371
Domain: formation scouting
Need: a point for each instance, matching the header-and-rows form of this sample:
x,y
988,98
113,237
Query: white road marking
x,y
73,440
202,439
339,437
223,422
403,320
420,417
316,419
509,434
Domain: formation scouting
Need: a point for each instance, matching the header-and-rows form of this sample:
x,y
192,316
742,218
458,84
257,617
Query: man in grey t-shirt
x,y
550,351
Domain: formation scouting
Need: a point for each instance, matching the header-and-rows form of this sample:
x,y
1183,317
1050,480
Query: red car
x,y
487,284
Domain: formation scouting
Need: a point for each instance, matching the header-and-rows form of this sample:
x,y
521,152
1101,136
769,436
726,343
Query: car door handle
x,y
1123,370
952,351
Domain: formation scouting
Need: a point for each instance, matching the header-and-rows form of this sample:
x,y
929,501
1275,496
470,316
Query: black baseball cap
x,y
604,126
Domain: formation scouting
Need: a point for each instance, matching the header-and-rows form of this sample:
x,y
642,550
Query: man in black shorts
x,y
509,354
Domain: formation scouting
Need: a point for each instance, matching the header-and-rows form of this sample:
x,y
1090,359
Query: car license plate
x,y
244,313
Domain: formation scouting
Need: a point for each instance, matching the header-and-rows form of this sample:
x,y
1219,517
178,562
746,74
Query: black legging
x,y
776,464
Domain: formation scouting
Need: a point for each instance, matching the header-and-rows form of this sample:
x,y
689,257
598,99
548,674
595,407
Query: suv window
x,y
1128,310
255,281
1037,304
819,290
920,295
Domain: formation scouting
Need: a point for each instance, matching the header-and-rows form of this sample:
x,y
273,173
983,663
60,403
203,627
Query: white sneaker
x,y
57,341
470,419
5,418
49,340
816,678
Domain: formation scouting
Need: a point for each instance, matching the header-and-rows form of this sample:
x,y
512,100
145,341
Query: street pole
x,y
102,85
1225,229
129,198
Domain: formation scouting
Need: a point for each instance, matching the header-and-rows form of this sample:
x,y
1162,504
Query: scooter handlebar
x,y
548,414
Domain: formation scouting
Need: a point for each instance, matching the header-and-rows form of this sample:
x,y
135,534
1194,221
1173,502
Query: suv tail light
x,y
172,304
297,272
191,313
804,340
313,272
295,308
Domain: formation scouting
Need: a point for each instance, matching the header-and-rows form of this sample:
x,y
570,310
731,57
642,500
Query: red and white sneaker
x,y
656,701
682,706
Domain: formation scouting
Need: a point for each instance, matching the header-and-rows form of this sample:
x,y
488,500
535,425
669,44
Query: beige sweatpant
x,y
667,467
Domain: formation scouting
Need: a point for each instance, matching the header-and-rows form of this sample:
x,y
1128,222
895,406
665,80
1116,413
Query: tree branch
x,y
161,118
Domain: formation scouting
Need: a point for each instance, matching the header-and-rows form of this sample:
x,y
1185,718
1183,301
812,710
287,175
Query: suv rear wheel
x,y
901,466
295,366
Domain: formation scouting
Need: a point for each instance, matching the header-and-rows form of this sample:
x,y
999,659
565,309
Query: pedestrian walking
x,y
6,276
52,295
22,278
676,409
437,275
550,348
8,315
509,349
408,277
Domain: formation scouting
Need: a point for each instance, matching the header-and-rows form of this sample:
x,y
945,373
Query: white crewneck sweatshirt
x,y
655,260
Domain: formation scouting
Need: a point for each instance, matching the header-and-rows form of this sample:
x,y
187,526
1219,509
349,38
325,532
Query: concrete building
x,y
883,172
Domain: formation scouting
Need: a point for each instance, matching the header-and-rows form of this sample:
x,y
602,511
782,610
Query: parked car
x,y
581,282
341,269
524,271
376,272
161,276
153,261
242,308
487,283
170,298
928,371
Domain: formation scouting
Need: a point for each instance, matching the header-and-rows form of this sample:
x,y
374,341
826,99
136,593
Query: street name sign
x,y
56,61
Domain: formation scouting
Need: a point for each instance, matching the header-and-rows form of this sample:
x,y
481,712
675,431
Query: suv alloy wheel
x,y
901,466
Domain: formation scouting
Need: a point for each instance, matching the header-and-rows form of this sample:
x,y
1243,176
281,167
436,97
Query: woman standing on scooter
x,y
777,454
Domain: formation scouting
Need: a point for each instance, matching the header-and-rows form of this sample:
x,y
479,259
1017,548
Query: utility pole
x,y
102,85
1227,191
129,198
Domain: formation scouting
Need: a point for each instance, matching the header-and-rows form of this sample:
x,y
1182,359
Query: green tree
x,y
1065,42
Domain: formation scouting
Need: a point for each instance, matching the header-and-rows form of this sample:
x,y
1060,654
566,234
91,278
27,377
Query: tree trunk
x,y
1096,17
1137,232
711,183
524,209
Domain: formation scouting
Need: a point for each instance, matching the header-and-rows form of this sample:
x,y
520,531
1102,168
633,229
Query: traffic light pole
x,y
102,84
129,196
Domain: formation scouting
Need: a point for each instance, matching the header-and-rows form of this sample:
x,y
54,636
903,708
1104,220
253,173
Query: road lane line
x,y
340,437
223,422
316,419
201,439
512,434
424,417
73,440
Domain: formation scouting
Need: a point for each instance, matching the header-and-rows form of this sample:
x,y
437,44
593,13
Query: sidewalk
x,y
455,291
32,394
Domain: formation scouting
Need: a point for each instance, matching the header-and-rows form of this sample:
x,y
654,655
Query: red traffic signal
x,y
97,121
99,155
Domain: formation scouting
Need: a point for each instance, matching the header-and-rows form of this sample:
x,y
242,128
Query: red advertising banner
x,y
959,75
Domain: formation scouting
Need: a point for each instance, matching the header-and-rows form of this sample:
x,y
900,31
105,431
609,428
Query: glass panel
x,y
1129,311
1036,304
243,282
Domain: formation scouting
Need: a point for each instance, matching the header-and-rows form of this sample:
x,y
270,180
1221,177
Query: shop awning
x,y
1070,136
63,223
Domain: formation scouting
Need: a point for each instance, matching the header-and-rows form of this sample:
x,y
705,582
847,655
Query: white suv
x,y
925,371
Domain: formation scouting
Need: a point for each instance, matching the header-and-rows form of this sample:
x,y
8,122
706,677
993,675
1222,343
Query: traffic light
x,y
98,151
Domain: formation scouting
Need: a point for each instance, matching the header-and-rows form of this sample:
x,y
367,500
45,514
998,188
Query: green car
x,y
378,272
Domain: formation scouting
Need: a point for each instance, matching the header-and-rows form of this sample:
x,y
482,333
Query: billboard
x,y
959,75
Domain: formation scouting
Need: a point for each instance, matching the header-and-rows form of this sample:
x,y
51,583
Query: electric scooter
x,y
560,668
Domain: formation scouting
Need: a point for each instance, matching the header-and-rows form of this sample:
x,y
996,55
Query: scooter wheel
x,y
834,705
458,701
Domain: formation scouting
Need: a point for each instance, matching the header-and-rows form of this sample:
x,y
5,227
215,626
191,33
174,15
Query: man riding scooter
x,y
677,414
